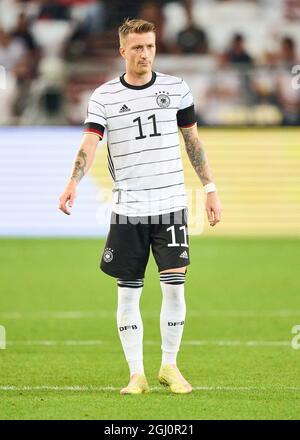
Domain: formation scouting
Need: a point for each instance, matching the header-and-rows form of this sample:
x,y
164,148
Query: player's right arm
x,y
82,163
94,127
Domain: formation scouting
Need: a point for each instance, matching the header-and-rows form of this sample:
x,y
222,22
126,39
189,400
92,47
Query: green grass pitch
x,y
242,302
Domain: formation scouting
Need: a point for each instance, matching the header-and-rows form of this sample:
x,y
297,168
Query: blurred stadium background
x,y
242,61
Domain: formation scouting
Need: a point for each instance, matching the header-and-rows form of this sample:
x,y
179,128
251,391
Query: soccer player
x,y
141,112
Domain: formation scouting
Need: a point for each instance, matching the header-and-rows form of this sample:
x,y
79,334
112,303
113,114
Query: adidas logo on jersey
x,y
124,109
183,255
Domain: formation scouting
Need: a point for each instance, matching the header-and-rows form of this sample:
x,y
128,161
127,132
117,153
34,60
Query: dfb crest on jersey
x,y
163,99
108,255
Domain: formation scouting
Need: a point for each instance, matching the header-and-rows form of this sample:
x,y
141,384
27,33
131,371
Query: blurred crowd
x,y
239,55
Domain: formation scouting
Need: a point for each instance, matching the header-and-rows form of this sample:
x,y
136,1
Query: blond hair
x,y
135,25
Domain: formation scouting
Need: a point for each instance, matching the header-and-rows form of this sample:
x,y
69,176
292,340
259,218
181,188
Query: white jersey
x,y
144,157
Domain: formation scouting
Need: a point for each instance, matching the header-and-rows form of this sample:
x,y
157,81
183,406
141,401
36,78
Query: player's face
x,y
138,50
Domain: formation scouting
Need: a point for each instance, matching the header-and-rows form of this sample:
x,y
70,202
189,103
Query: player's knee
x,y
173,278
131,284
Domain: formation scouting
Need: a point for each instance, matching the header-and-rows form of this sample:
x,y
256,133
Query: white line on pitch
x,y
229,343
48,343
111,314
81,388
241,343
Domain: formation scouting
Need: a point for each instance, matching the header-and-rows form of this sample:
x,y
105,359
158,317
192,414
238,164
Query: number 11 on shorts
x,y
174,243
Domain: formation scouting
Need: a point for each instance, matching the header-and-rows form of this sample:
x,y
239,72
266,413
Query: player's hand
x,y
213,208
68,197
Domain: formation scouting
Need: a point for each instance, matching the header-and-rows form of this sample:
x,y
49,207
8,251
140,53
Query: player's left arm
x,y
199,162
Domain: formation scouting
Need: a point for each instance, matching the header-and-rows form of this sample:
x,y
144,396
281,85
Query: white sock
x,y
172,316
130,325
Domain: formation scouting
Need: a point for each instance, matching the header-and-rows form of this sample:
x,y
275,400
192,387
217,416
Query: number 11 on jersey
x,y
174,243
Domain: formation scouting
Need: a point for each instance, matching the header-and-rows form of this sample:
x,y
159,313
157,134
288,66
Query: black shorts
x,y
129,240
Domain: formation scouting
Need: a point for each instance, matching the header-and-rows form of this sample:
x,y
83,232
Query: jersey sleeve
x,y
95,121
186,112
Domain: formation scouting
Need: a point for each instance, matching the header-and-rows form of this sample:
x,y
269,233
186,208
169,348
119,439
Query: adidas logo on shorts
x,y
184,255
124,109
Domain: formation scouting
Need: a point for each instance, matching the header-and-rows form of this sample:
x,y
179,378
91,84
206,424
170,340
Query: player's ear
x,y
122,47
122,52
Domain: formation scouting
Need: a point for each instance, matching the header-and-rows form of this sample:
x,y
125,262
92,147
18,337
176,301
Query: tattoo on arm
x,y
79,168
197,156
